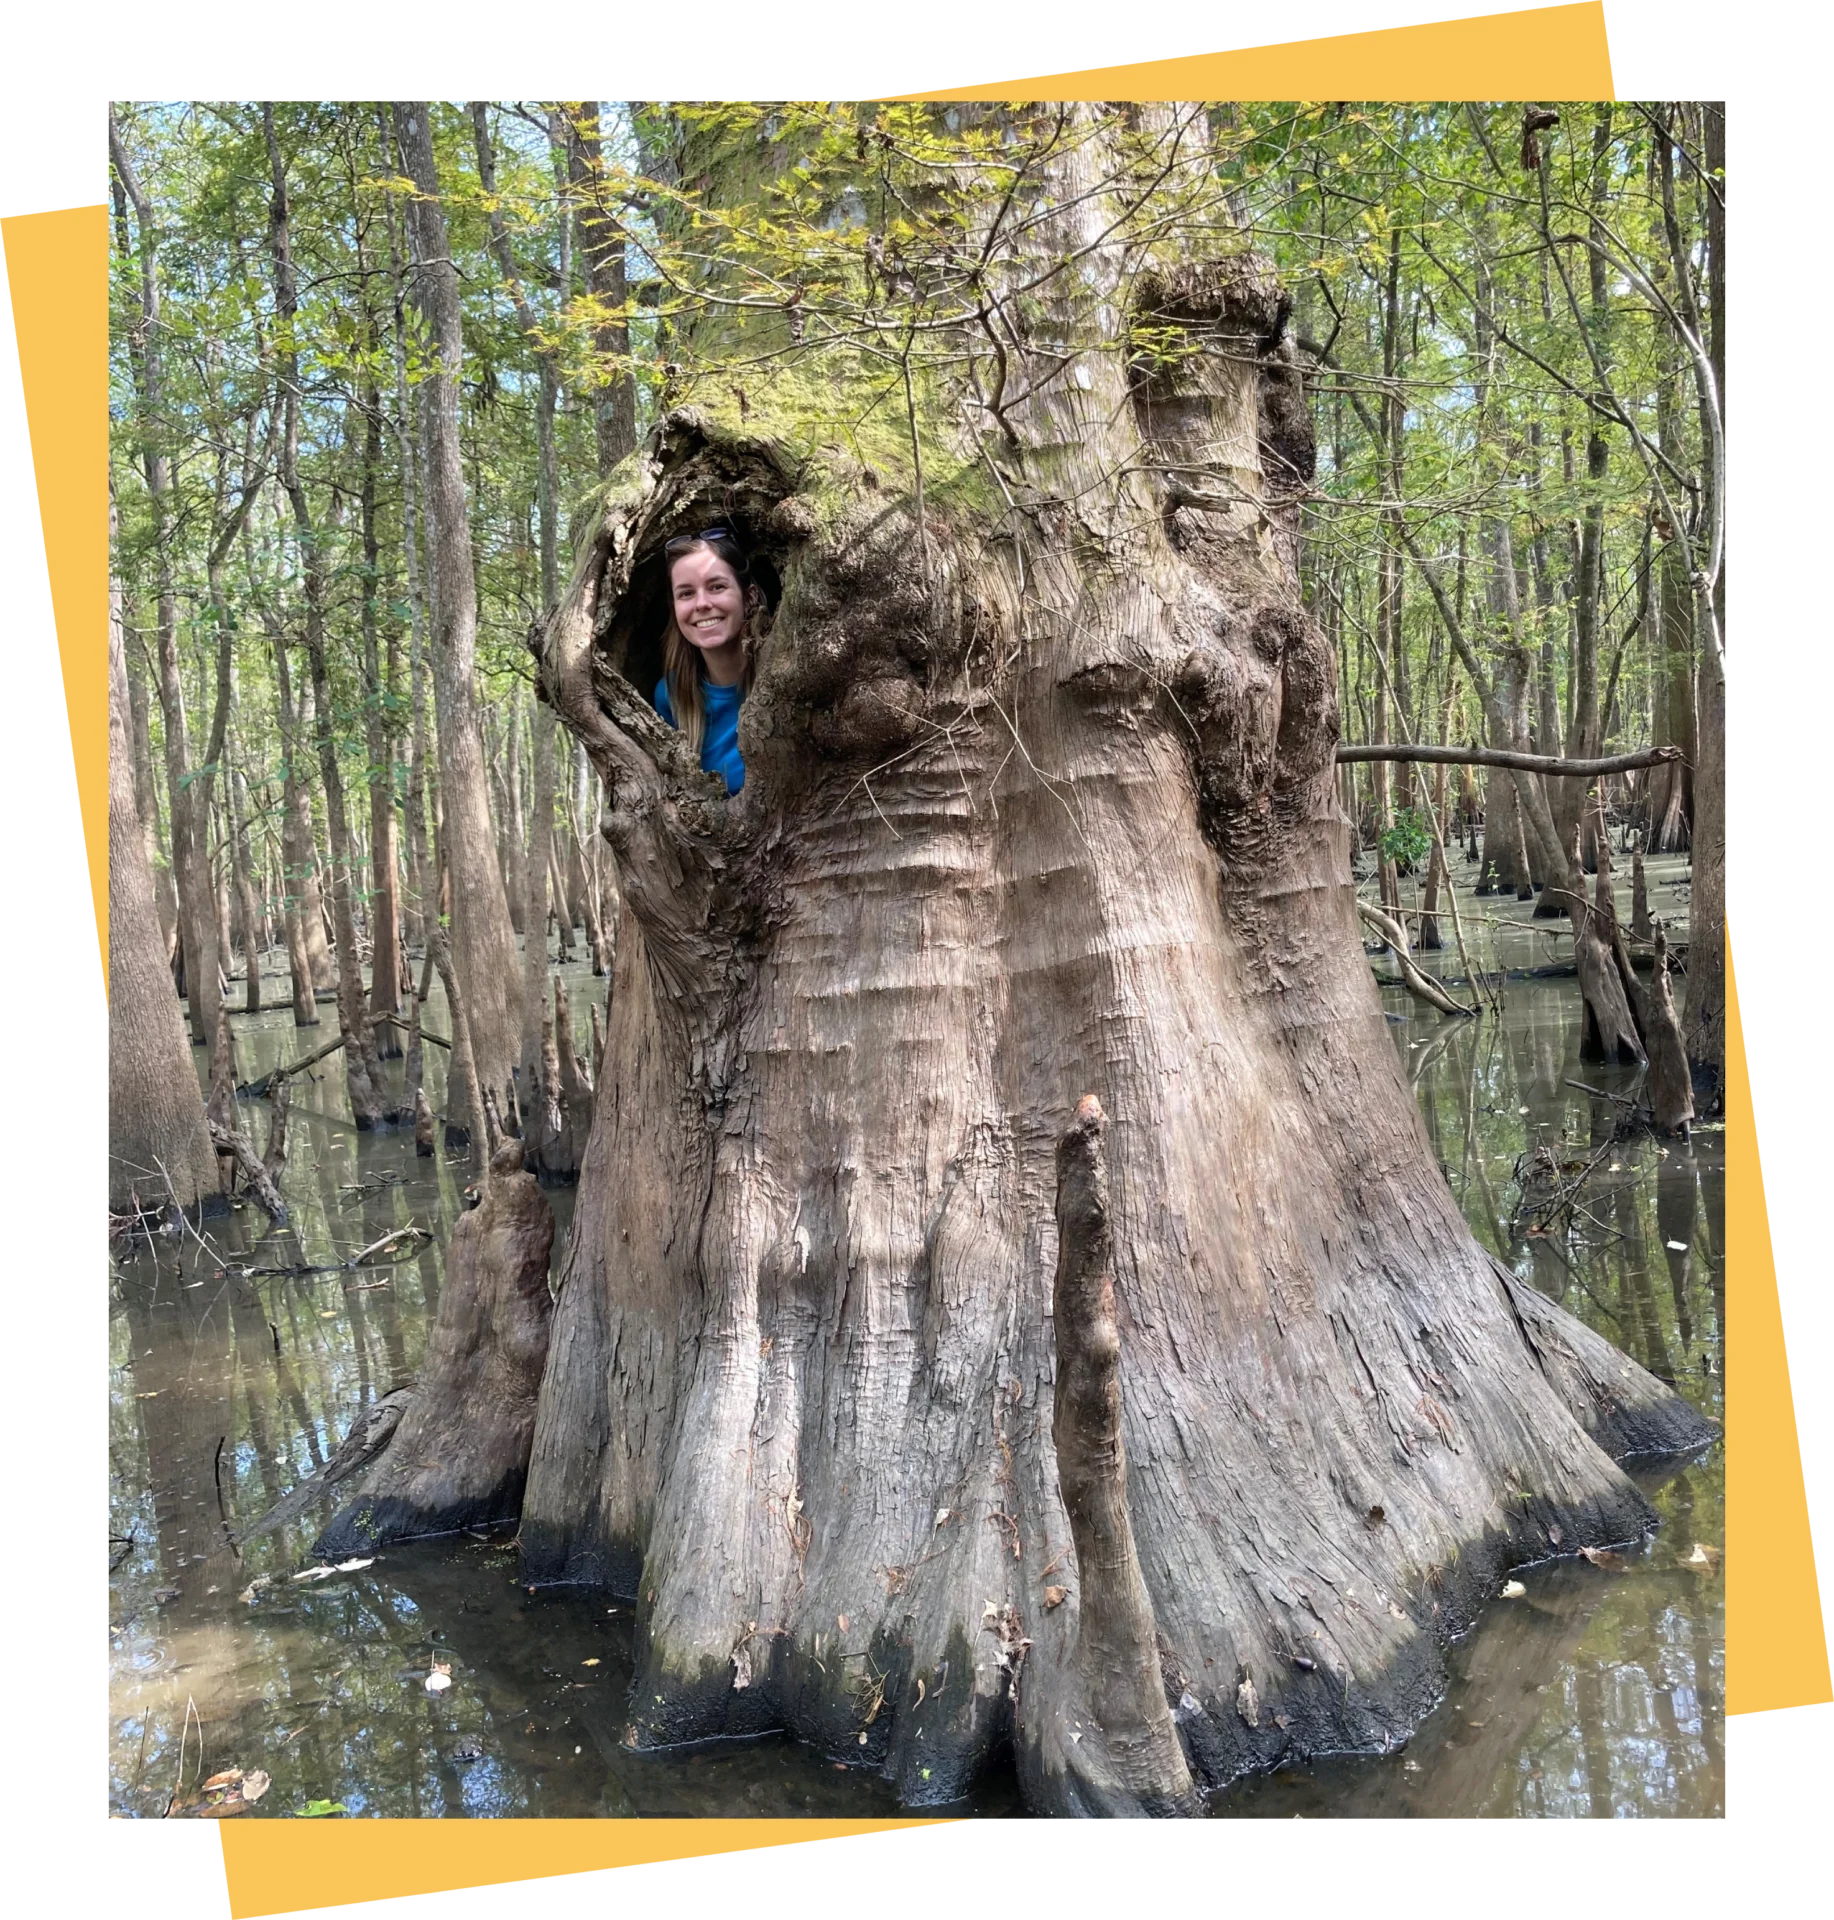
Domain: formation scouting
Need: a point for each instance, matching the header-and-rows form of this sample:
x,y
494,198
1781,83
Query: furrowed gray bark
x,y
1124,1757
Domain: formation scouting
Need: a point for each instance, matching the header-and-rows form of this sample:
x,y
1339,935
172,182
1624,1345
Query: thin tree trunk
x,y
197,913
537,849
254,918
362,1069
601,249
378,733
313,916
421,866
483,944
1706,994
146,792
300,910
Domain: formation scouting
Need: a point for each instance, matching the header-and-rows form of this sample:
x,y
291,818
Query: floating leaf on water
x,y
593,1662
227,1778
314,1573
441,1676
1055,1597
1513,1590
1703,1559
254,1784
1604,1557
252,1591
319,1809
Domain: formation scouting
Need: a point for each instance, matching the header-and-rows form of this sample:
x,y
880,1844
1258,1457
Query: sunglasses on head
x,y
685,540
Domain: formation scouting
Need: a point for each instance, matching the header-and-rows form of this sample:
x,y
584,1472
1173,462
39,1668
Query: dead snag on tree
x,y
230,1137
1128,1758
464,1101
1640,926
1611,1028
576,1079
1671,1085
461,1454
280,1099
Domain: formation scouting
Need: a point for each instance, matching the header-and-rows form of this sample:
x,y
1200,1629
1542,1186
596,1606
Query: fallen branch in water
x,y
1603,1093
233,1144
1412,978
407,1026
387,1240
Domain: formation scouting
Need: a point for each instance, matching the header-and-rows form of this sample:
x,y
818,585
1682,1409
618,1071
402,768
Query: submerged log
x,y
462,1452
1112,1734
373,1430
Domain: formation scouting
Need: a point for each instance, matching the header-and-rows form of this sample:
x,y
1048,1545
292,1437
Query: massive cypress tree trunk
x,y
159,1150
1039,804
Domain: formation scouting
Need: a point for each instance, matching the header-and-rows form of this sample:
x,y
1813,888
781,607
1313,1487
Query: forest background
x,y
1513,325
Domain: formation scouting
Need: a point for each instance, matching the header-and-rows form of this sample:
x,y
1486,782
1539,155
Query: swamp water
x,y
1598,1692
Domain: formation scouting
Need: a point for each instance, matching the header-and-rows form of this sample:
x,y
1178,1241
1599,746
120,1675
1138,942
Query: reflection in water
x,y
1596,1693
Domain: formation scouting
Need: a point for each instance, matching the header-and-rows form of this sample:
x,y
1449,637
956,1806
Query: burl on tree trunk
x,y
1039,800
460,1454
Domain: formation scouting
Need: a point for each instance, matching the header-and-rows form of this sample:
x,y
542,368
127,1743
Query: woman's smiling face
x,y
709,602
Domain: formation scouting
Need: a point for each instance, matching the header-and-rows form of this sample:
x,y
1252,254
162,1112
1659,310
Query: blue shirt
x,y
719,740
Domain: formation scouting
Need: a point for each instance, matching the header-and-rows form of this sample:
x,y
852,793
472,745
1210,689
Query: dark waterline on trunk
x,y
1595,1693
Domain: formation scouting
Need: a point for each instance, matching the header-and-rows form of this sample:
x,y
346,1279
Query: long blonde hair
x,y
683,670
